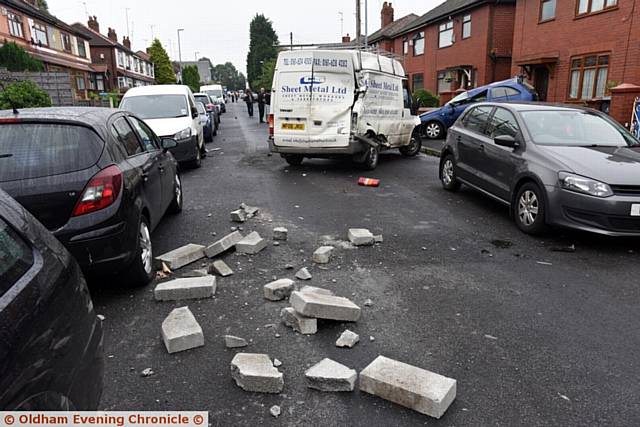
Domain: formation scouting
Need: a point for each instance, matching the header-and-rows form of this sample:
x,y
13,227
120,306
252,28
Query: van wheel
x,y
197,162
141,271
433,130
371,158
293,159
414,146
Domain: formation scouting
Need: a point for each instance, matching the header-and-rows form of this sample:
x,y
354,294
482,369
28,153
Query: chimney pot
x,y
112,35
93,24
346,39
387,14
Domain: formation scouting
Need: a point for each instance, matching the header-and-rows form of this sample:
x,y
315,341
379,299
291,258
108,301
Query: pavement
x,y
533,336
432,147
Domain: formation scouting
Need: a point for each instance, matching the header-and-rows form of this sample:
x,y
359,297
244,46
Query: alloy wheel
x,y
145,244
528,208
447,172
178,190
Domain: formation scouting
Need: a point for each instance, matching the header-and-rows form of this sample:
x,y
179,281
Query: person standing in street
x,y
267,102
248,98
261,101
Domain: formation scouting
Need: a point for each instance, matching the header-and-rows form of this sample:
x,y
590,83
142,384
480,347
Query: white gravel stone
x,y
223,245
329,375
181,331
378,238
323,254
238,216
182,256
279,290
348,339
299,323
361,237
251,245
231,341
277,363
221,268
280,233
256,373
187,288
275,411
324,306
421,390
303,274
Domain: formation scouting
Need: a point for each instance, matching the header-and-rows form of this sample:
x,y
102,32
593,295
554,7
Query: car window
x,y
498,92
476,120
512,92
203,99
503,123
145,134
126,137
16,257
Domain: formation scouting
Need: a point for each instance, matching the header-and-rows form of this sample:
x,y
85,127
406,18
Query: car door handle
x,y
481,147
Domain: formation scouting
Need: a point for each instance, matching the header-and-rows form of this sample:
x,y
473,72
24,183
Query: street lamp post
x,y
180,53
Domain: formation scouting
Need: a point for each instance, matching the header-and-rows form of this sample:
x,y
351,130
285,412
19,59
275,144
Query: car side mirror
x,y
506,141
168,144
194,112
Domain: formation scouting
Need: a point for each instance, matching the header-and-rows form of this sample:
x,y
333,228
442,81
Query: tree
x,y
191,77
266,75
262,47
24,94
228,76
162,64
42,5
15,58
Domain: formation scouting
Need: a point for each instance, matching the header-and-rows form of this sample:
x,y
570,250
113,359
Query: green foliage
x,y
228,76
24,94
191,77
262,48
15,58
42,4
424,98
162,64
266,75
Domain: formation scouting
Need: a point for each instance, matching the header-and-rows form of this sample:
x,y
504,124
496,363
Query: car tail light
x,y
210,107
101,192
270,120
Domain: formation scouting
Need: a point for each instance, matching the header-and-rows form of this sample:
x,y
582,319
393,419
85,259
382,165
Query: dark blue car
x,y
435,123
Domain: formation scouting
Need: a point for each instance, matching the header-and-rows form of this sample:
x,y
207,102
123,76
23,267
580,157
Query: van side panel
x,y
383,107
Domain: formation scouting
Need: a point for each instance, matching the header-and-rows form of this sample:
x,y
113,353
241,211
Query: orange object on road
x,y
369,182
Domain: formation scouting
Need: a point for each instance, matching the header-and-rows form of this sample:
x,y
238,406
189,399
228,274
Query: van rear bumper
x,y
354,147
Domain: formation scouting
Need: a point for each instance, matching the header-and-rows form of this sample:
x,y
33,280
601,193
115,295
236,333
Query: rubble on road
x,y
280,233
328,375
277,363
415,388
147,373
297,322
378,238
256,373
323,254
250,211
321,306
221,268
231,341
368,303
315,290
303,274
279,289
197,273
275,411
348,339
361,237
223,245
238,216
187,288
181,331
251,244
182,256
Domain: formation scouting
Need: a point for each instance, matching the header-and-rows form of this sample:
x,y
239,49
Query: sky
x,y
219,29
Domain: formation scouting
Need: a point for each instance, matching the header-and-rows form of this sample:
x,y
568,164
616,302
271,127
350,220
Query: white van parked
x,y
329,103
216,92
171,112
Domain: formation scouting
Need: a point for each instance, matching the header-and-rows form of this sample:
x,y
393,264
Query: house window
x,y
100,82
66,42
120,59
446,34
405,46
588,78
418,82
444,82
591,6
80,83
15,24
466,26
547,10
40,34
92,82
418,44
122,82
82,51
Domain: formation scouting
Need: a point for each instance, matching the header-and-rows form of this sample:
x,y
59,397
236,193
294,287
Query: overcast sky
x,y
219,29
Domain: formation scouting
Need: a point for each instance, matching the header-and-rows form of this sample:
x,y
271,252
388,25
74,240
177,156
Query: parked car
x,y
216,92
99,179
212,109
435,123
205,119
170,110
552,165
51,358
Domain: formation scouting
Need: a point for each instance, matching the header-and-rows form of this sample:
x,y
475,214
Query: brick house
x,y
60,47
389,28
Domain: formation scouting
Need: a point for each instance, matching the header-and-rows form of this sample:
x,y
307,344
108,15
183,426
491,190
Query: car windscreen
x,y
214,93
16,257
34,150
575,128
156,106
203,99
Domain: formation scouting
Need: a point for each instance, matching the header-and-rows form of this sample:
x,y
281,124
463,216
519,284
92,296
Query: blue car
x,y
436,123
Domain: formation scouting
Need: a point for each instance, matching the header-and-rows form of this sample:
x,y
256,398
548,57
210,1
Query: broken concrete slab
x,y
315,290
299,323
279,289
328,375
197,273
348,339
238,216
223,245
181,331
322,255
231,341
361,237
182,256
186,288
251,245
221,268
250,211
303,274
256,373
280,233
322,306
421,390
378,238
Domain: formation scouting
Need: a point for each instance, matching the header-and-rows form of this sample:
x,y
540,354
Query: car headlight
x,y
183,134
584,185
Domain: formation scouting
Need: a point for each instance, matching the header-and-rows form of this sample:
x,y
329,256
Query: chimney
x,y
387,14
346,39
112,35
126,42
93,24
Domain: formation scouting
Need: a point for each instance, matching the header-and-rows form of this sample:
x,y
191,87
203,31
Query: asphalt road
x,y
532,336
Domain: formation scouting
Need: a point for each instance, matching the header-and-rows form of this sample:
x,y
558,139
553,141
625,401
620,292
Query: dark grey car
x,y
551,164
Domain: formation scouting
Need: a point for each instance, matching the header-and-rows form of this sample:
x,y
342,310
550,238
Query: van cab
x,y
332,103
216,92
171,112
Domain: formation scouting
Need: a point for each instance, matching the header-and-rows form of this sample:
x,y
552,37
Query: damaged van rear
x,y
335,103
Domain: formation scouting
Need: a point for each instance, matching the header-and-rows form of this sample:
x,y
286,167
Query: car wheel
x,y
414,146
197,162
530,209
176,204
141,271
371,158
294,159
433,130
448,174
209,135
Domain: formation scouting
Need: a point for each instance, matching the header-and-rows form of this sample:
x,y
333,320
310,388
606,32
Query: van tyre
x,y
371,158
197,162
176,204
433,130
414,146
294,159
529,209
141,272
448,174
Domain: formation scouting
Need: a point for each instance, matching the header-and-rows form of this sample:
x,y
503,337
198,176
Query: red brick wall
x,y
110,61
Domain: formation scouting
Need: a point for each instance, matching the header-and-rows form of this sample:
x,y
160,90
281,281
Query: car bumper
x,y
185,151
354,147
609,216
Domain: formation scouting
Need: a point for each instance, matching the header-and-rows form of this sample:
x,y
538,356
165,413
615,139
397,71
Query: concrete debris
x,y
378,238
280,233
101,317
181,331
323,254
238,216
299,323
361,237
303,274
182,256
279,290
275,411
147,373
188,288
197,273
221,268
368,303
223,245
277,363
315,290
251,245
322,306
328,375
348,339
250,211
421,390
288,267
231,341
372,338
256,373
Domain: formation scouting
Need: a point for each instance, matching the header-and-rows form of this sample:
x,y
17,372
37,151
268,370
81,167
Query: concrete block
x,y
238,216
251,245
323,254
324,306
315,290
197,273
256,373
378,238
361,237
181,331
250,211
298,322
348,339
223,244
329,375
187,288
280,233
180,257
221,268
303,274
234,342
421,390
279,290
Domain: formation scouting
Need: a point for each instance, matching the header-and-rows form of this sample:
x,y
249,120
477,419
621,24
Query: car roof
x,y
509,82
520,106
158,90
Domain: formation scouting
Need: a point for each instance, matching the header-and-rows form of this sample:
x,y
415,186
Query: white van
x,y
171,112
329,103
216,92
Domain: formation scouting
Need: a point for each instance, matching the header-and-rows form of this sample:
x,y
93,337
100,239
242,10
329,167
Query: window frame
x,y
80,42
413,81
66,42
490,129
466,19
405,46
555,6
155,140
19,270
80,81
14,19
416,37
590,12
448,26
40,28
581,69
486,124
121,142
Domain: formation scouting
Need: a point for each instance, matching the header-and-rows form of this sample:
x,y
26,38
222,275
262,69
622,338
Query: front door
x,y
541,81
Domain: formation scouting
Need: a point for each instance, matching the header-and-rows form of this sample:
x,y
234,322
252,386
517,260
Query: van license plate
x,y
293,126
635,210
